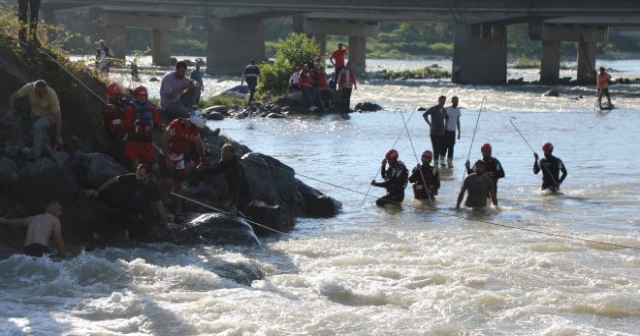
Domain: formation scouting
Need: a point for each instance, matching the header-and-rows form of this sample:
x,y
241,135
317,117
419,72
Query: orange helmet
x,y
113,89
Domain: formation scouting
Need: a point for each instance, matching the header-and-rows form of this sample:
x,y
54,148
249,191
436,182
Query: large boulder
x,y
215,229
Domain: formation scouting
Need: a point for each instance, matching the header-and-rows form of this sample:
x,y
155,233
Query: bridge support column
x,y
49,16
232,44
298,24
358,53
587,62
115,37
161,52
550,63
480,51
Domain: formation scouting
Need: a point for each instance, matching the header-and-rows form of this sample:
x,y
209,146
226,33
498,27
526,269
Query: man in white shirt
x,y
452,121
103,55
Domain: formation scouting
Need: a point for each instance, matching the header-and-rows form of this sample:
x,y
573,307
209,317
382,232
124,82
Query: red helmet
x,y
392,155
486,147
548,147
140,90
113,89
428,154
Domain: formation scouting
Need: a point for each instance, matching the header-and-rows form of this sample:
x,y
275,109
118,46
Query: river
x,y
535,266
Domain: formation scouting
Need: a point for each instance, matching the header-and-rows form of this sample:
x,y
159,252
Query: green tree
x,y
292,52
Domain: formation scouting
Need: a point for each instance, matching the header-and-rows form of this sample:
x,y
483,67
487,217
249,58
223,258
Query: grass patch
x,y
426,72
526,63
223,99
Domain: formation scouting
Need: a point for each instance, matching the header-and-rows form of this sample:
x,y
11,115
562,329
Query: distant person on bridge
x,y
103,57
23,9
250,75
179,94
337,58
602,80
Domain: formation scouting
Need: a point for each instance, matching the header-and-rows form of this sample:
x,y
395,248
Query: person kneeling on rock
x,y
238,188
395,179
142,206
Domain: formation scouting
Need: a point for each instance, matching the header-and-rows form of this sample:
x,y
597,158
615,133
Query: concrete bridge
x,y
236,31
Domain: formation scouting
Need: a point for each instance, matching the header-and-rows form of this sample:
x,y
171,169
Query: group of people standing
x,y
481,182
317,90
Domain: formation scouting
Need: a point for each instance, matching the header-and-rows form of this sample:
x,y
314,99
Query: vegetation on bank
x,y
426,72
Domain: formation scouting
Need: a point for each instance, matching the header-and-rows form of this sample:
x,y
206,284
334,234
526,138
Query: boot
x,y
442,162
450,162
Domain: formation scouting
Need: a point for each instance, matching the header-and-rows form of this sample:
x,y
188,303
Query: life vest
x,y
420,190
113,120
398,175
142,119
347,78
305,78
322,81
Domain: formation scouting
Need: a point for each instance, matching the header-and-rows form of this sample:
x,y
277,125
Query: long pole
x,y
423,180
534,152
473,137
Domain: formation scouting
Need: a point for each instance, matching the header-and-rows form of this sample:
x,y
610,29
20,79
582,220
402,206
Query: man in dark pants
x,y
493,168
395,179
23,9
436,127
238,189
250,75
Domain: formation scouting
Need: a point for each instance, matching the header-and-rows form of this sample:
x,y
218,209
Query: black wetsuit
x,y
430,182
395,176
238,188
551,167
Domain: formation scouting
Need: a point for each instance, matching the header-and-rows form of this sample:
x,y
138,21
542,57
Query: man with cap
x,y
425,178
493,168
395,179
551,167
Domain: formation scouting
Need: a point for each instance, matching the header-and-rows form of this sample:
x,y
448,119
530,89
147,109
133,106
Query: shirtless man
x,y
479,187
40,228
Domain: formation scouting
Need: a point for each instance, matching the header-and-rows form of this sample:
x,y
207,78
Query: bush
x,y
292,52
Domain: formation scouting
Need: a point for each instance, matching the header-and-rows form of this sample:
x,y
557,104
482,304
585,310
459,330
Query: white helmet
x,y
197,119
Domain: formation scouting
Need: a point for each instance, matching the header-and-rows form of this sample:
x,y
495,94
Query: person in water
x,y
425,178
602,80
479,187
493,168
395,179
551,167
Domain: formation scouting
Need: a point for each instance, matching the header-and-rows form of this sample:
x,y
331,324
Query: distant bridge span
x,y
236,32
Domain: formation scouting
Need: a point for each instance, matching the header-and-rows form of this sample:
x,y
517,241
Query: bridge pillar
x,y
550,63
115,37
298,24
161,53
232,43
480,52
587,62
358,53
321,40
49,16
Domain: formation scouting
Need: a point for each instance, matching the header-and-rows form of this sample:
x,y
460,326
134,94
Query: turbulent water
x,y
565,264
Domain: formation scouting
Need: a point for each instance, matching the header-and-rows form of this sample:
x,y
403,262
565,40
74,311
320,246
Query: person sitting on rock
x,y
45,110
140,119
176,141
395,179
40,229
112,120
238,188
179,94
425,178
142,206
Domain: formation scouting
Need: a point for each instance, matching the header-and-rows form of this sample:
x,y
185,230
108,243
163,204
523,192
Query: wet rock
x,y
216,229
368,107
551,93
214,116
276,115
217,108
316,204
154,79
8,168
268,220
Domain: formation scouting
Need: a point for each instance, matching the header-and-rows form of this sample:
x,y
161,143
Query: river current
x,y
540,264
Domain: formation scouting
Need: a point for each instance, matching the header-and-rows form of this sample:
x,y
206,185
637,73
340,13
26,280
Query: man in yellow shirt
x,y
45,110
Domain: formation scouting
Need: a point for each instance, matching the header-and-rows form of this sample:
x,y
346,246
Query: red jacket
x,y
305,78
347,78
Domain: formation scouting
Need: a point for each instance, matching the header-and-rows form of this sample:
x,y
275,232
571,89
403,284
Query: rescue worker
x,y
112,120
479,187
176,140
251,74
239,193
425,178
551,167
395,179
347,83
306,89
493,168
140,120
